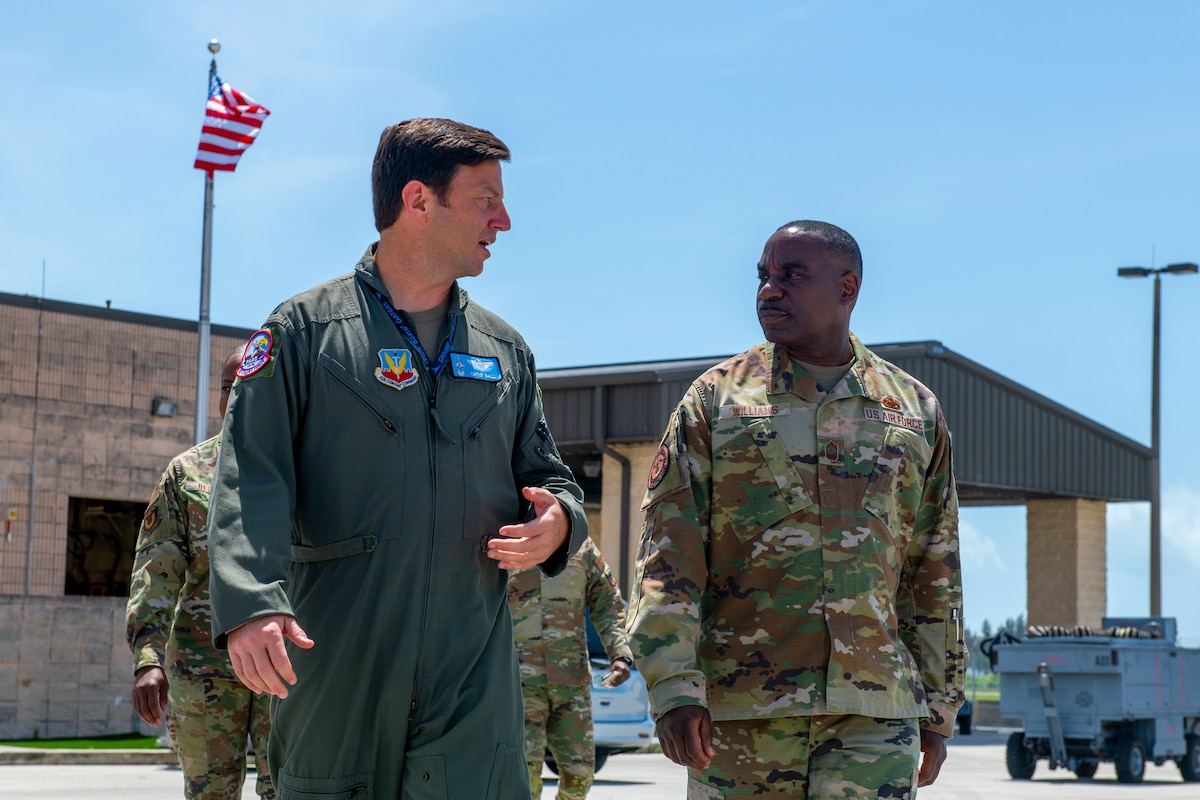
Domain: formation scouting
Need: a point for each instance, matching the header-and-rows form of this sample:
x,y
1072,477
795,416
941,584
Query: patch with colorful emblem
x,y
256,355
395,369
476,368
150,521
658,470
890,402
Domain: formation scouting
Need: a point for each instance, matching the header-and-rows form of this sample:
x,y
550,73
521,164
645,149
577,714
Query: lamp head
x,y
1184,268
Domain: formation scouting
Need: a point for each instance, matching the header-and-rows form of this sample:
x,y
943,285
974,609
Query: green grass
x,y
123,741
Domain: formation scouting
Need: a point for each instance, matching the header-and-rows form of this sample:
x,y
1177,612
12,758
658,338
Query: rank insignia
x,y
256,355
394,369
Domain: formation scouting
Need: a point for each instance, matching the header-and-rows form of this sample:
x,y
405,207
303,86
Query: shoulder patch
x,y
150,521
258,355
658,470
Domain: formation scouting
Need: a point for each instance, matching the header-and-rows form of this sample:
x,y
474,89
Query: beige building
x,y
93,404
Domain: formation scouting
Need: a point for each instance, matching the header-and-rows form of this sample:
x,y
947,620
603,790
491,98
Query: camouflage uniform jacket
x,y
168,618
800,553
548,618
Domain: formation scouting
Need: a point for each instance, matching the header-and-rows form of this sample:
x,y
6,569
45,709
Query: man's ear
x,y
850,283
416,198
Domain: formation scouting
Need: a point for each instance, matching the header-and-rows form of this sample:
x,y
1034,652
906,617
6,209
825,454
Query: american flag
x,y
231,121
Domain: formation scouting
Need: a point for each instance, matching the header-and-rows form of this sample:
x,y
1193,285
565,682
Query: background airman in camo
x,y
550,632
210,714
796,610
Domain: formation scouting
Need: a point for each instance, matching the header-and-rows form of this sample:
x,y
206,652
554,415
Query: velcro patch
x,y
775,410
257,355
892,418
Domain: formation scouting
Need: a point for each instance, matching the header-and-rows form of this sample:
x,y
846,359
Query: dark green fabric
x,y
414,661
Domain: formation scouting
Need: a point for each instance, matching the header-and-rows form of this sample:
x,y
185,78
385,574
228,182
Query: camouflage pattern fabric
x,y
168,616
169,625
817,757
800,551
560,717
209,721
549,629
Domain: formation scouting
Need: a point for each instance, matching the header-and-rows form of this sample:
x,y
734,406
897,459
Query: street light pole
x,y
1155,427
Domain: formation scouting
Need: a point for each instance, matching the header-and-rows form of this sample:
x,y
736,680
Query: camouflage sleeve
x,y
929,603
604,603
665,610
159,571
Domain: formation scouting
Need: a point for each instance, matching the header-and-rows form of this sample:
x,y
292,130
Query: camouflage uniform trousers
x,y
811,757
560,717
209,721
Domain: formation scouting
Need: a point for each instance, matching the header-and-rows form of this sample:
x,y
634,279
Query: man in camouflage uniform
x,y
797,605
549,629
210,714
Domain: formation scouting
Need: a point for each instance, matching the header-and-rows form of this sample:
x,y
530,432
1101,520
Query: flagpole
x,y
202,355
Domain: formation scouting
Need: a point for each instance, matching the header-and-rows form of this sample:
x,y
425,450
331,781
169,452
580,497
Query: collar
x,y
368,272
787,376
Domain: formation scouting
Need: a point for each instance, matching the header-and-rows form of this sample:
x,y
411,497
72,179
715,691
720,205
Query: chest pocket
x,y
755,484
893,491
492,403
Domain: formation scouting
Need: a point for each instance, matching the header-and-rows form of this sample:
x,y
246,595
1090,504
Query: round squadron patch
x,y
658,470
256,355
150,521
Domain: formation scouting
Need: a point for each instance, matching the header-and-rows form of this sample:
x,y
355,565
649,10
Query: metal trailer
x,y
1125,693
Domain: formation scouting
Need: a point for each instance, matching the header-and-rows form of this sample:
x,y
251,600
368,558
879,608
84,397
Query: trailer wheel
x,y
1189,765
1020,761
1130,760
1086,769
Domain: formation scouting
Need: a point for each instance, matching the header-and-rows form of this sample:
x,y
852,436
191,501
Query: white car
x,y
621,715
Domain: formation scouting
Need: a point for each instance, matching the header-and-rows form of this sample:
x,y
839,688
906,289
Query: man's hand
x,y
618,673
259,656
150,694
530,543
685,734
933,754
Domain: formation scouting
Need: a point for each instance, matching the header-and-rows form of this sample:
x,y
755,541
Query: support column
x,y
640,457
1065,565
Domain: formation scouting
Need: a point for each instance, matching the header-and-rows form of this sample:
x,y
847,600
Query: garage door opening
x,y
101,537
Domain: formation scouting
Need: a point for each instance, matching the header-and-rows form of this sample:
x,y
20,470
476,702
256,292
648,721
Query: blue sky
x,y
997,163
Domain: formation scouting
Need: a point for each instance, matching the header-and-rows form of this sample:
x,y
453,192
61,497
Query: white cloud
x,y
979,552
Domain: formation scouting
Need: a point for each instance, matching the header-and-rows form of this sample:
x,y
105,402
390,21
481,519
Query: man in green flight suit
x,y
796,610
211,715
550,627
385,462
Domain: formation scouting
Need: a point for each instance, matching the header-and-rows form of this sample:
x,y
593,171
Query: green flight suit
x,y
356,491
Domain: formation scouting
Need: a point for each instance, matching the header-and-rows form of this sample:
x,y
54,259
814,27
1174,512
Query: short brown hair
x,y
429,151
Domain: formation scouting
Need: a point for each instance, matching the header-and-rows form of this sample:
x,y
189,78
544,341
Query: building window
x,y
101,537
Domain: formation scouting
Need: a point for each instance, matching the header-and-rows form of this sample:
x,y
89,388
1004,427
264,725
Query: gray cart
x,y
1124,693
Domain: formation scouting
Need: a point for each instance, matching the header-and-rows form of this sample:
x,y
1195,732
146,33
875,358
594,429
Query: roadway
x,y
974,771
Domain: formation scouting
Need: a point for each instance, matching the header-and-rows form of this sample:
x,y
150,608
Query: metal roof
x,y
1011,444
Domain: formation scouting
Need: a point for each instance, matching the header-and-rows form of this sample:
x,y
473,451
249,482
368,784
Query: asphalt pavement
x,y
974,770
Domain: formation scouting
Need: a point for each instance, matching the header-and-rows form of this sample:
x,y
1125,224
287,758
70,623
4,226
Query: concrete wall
x,y
75,399
65,669
640,457
76,386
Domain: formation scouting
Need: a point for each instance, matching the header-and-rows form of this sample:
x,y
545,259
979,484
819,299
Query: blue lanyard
x,y
443,356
